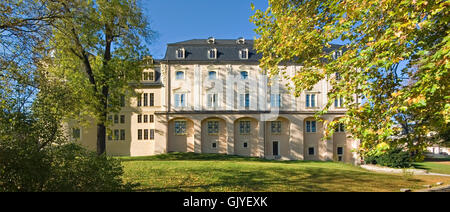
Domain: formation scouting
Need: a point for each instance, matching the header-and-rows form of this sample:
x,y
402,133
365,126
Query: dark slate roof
x,y
227,50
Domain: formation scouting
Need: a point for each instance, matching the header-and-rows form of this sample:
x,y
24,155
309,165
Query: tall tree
x,y
380,37
98,47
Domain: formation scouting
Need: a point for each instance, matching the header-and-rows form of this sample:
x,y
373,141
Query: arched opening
x,y
214,135
181,135
312,138
277,138
246,131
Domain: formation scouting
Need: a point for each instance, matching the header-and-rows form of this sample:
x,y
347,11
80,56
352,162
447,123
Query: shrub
x,y
68,167
396,158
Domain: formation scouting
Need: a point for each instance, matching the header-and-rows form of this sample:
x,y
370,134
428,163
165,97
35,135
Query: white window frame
x,y
245,131
242,102
338,102
183,53
243,54
215,54
275,104
214,142
316,98
180,95
149,73
212,100
310,126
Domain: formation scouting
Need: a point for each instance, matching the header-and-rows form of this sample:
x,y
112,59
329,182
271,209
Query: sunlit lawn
x,y
213,172
442,166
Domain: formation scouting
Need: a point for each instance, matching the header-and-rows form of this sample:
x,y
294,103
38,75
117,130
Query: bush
x,y
396,158
68,167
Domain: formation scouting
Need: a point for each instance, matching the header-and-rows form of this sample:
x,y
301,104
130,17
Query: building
x,y
210,96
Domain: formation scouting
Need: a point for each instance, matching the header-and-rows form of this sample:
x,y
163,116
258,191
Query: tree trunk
x,y
101,138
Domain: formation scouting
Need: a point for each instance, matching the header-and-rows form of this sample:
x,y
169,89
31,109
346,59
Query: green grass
x,y
215,172
442,167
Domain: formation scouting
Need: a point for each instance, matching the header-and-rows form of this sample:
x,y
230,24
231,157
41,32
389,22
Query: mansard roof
x,y
227,50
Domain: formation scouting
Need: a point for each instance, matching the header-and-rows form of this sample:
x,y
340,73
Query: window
x,y
244,100
139,134
180,127
275,100
245,144
139,118
310,100
311,151
212,54
340,153
116,134
310,126
109,135
110,118
244,75
152,119
275,148
213,127
122,119
139,101
145,76
338,76
145,134
180,100
180,53
152,134
116,119
212,75
145,118
340,127
244,127
76,133
122,101
122,135
243,54
214,145
179,75
212,100
152,99
338,102
145,99
275,126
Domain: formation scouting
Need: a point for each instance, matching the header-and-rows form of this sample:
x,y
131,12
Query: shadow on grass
x,y
190,156
274,179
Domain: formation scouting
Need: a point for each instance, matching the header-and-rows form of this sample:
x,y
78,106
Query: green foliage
x,y
68,167
396,158
379,35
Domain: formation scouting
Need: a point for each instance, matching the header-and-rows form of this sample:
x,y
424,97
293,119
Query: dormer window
x,y
148,76
180,53
211,40
337,54
212,54
243,54
240,40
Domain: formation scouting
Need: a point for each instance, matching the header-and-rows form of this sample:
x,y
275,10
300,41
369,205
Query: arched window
x,y
179,75
244,75
212,75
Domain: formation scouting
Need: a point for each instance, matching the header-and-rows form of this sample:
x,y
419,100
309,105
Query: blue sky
x,y
179,20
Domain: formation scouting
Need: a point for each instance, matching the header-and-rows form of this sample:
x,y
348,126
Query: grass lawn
x,y
214,172
436,166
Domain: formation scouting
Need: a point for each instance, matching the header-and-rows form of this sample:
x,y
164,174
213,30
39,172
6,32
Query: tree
x,y
380,37
97,52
